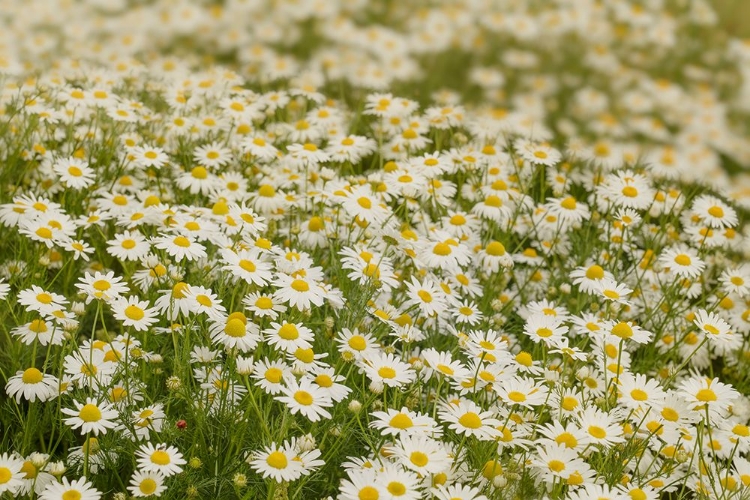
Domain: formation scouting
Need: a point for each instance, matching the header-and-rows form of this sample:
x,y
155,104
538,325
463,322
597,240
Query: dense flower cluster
x,y
236,281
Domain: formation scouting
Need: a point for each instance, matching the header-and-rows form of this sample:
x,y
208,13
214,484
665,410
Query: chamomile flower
x,y
212,155
134,312
75,173
149,156
404,422
128,246
306,398
278,463
247,265
263,305
235,331
11,477
146,484
613,291
421,454
714,212
31,384
288,336
80,489
300,293
387,369
468,419
100,286
159,458
180,247
683,261
91,417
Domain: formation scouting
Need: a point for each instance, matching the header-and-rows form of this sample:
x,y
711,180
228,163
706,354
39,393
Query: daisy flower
x,y
637,391
683,261
31,384
235,331
128,246
212,155
306,398
588,278
423,455
75,173
468,419
547,329
404,422
715,328
11,477
713,212
148,156
539,154
708,394
327,380
613,291
387,369
263,305
180,247
92,416
364,483
146,484
289,336
362,204
522,392
160,458
247,265
279,463
568,211
134,312
100,286
79,489
271,375
427,296
202,300
626,189
736,280
298,292
38,299
601,427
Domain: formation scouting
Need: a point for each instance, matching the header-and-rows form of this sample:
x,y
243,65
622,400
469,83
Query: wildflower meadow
x,y
373,250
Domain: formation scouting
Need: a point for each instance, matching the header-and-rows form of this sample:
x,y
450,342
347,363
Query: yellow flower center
x,y
568,203
622,330
357,342
160,457
556,465
638,395
470,420
706,395
288,332
32,376
134,312
401,421
597,432
368,493
495,249
235,328
716,211
300,285
181,241
364,202
303,398
273,375
90,413
147,486
418,458
387,372
277,460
